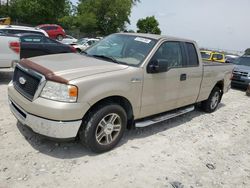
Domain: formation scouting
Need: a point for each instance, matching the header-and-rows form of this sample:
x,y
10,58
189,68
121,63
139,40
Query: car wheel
x,y
104,128
213,100
59,37
78,50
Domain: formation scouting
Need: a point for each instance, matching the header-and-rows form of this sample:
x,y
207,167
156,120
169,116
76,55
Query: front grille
x,y
26,82
241,73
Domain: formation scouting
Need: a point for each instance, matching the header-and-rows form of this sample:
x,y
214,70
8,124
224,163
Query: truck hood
x,y
242,68
71,66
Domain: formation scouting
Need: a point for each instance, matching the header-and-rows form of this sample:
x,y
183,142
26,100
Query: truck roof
x,y
158,37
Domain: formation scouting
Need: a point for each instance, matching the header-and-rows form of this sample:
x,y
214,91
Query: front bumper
x,y
50,128
241,82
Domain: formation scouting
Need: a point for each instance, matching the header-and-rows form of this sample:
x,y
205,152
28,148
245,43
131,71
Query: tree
x,y
148,25
39,11
247,51
4,8
107,16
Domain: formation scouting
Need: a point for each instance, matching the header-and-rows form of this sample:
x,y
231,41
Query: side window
x,y
32,39
193,59
44,28
89,43
49,41
169,52
53,28
10,31
218,56
48,28
3,31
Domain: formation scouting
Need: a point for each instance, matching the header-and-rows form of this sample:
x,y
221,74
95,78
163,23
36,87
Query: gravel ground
x,y
194,150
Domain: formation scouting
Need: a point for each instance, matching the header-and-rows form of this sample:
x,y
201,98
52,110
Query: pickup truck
x,y
123,81
9,50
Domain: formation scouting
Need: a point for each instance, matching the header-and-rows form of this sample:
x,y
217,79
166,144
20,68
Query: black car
x,y
37,45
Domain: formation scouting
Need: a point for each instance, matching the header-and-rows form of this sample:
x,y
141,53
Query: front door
x,y
161,90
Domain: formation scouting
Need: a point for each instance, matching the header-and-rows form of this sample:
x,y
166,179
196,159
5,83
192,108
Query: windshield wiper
x,y
110,58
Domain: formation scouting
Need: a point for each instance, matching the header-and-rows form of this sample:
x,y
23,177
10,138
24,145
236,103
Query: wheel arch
x,y
124,102
220,85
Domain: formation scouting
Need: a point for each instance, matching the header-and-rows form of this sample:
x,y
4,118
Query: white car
x,y
9,50
84,43
14,29
69,40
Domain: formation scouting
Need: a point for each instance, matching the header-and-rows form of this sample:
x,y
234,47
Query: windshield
x,y
124,49
205,55
243,61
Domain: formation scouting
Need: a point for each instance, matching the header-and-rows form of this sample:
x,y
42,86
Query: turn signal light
x,y
73,91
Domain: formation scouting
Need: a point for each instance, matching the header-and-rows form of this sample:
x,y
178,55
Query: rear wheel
x,y
104,128
213,100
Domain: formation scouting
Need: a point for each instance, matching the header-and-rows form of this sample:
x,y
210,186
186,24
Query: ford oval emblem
x,y
22,80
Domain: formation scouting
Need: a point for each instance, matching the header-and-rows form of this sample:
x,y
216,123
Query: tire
x,y
211,104
78,50
59,37
98,133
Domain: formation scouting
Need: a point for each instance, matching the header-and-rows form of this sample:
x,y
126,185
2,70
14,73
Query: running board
x,y
164,117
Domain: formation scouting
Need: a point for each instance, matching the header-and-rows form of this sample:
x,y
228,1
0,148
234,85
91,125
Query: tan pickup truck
x,y
124,81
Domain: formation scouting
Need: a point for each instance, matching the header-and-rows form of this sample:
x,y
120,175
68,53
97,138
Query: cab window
x,y
170,52
193,59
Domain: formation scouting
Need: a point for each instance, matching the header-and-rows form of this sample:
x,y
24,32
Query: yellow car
x,y
213,56
5,21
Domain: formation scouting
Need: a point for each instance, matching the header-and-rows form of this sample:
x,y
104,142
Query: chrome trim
x,y
164,117
41,83
50,128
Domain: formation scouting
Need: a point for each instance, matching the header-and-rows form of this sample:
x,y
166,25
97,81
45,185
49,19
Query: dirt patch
x,y
194,150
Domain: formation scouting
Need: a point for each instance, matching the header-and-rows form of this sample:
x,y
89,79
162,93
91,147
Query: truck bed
x,y
211,75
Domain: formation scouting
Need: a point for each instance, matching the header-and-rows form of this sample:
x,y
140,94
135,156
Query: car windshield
x,y
243,61
124,49
205,55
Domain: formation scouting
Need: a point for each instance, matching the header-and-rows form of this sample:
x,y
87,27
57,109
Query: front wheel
x,y
104,128
213,100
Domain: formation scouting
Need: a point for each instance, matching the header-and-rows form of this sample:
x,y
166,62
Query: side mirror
x,y
157,66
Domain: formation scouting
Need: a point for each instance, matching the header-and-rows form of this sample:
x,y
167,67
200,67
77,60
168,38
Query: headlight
x,y
59,92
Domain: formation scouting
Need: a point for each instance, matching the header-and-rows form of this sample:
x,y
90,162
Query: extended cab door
x,y
161,89
190,75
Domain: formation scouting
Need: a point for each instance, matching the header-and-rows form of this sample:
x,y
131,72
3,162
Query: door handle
x,y
183,77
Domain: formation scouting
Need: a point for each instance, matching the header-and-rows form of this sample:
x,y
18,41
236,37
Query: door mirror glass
x,y
157,66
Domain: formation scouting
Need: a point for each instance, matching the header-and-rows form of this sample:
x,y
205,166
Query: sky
x,y
219,24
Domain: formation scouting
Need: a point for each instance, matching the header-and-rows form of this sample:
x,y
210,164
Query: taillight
x,y
73,49
15,46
